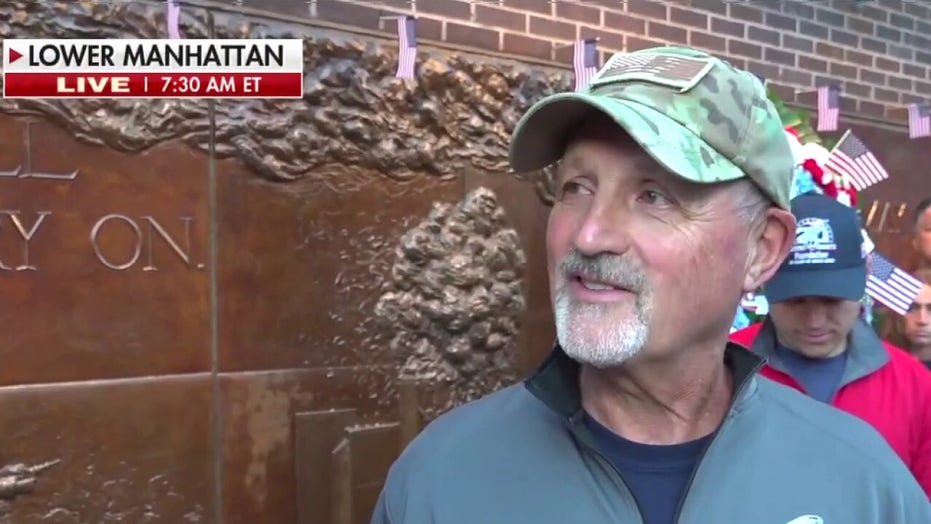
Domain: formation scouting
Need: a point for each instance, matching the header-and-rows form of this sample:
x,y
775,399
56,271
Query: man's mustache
x,y
611,269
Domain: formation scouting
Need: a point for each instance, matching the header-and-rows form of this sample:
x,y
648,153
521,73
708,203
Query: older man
x,y
673,183
815,341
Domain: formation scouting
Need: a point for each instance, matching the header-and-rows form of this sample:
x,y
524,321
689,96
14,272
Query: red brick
x,y
667,33
918,11
553,28
687,17
885,95
740,48
779,57
829,51
915,71
487,15
887,65
858,58
719,26
634,43
900,83
923,87
746,13
872,77
872,108
764,36
578,12
812,64
842,70
858,89
765,70
527,46
605,39
472,36
874,13
738,63
536,6
707,42
350,14
429,29
448,8
794,76
860,25
647,8
624,23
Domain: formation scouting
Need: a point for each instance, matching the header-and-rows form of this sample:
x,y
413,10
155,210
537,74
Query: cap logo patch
x,y
814,243
677,72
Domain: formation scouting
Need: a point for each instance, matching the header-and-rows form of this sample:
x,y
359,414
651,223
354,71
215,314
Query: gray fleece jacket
x,y
523,456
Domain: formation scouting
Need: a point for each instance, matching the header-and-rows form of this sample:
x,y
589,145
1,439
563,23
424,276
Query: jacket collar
x,y
556,381
865,351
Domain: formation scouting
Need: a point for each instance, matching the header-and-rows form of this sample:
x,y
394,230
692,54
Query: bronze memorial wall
x,y
237,312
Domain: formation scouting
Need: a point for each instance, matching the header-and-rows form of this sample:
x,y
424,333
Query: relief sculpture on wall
x,y
451,306
455,298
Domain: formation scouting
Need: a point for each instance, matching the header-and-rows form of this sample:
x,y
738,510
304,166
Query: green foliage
x,y
798,119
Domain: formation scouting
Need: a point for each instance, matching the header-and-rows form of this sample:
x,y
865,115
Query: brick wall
x,y
879,51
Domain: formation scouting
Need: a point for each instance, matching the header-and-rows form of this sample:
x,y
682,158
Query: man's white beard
x,y
591,334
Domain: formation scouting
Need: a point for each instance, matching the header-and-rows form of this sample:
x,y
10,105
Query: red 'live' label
x,y
152,85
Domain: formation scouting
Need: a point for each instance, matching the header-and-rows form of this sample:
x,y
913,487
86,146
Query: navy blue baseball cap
x,y
826,259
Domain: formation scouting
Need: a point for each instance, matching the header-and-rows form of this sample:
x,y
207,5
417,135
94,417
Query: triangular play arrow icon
x,y
14,55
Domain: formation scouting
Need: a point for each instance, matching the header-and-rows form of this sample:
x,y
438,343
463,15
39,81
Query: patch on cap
x,y
814,243
669,70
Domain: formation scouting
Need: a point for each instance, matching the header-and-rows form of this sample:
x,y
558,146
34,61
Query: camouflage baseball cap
x,y
697,115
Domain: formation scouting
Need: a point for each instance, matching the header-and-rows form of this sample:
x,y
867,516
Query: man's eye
x,y
653,197
574,188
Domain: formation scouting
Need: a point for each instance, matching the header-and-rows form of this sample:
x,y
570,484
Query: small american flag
x,y
585,62
919,120
677,68
828,108
407,46
172,17
852,159
890,285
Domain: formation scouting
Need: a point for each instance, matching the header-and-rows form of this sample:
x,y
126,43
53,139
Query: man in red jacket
x,y
815,341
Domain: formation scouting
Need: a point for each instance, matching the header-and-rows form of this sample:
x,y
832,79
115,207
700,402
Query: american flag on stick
x,y
172,18
852,159
890,285
919,120
407,46
828,108
584,62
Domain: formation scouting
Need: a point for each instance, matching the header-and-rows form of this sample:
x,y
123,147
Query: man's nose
x,y
604,229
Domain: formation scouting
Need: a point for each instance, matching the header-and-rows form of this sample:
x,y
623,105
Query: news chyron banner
x,y
174,68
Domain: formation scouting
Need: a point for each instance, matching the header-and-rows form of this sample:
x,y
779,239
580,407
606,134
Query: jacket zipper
x,y
704,451
618,478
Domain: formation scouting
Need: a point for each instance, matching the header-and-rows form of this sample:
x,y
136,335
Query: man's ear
x,y
770,242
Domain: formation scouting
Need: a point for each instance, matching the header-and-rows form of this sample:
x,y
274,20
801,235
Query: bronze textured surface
x,y
103,255
129,451
258,411
302,265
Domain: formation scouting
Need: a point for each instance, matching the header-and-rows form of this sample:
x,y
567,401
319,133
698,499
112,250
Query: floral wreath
x,y
811,173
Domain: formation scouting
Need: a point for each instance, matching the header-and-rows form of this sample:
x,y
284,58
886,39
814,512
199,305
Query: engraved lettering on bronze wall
x,y
25,233
145,230
25,169
149,249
